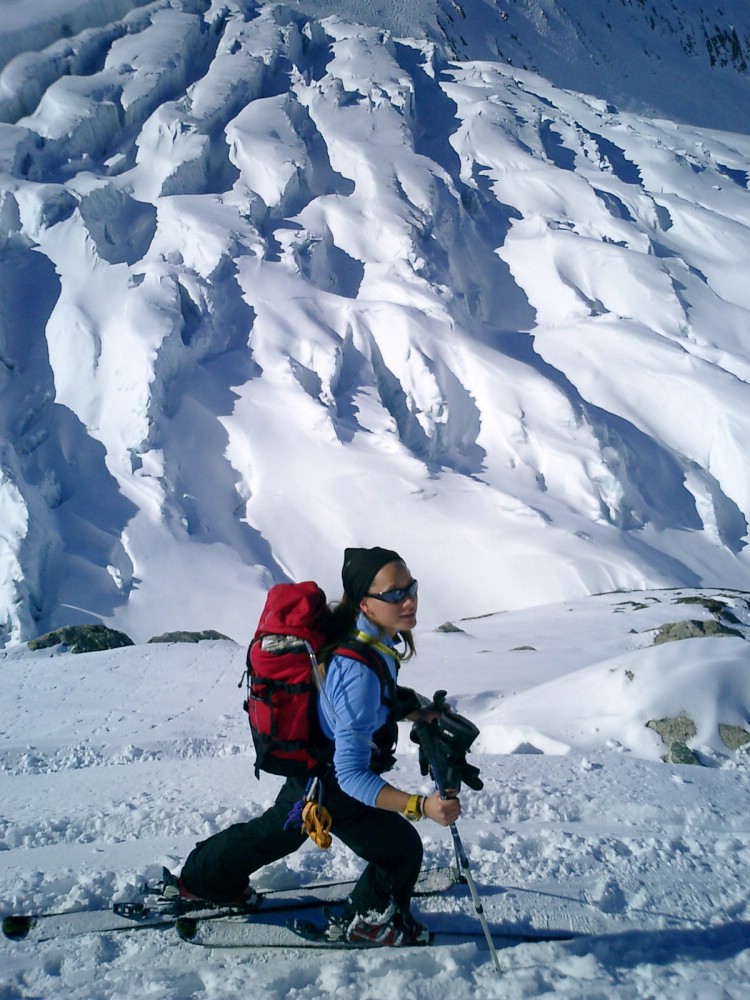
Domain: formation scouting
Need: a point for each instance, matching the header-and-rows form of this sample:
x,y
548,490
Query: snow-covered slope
x,y
114,763
279,278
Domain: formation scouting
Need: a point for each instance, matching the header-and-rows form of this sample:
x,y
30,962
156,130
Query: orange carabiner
x,y
316,821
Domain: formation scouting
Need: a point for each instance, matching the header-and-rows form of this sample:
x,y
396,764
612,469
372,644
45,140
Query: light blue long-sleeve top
x,y
350,711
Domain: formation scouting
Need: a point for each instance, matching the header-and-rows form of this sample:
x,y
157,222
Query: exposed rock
x,y
693,628
680,729
82,638
717,607
733,737
629,606
680,753
712,604
527,748
189,636
675,733
448,627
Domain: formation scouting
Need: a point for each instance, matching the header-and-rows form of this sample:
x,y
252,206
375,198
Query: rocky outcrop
x,y
82,638
205,635
694,628
733,737
677,731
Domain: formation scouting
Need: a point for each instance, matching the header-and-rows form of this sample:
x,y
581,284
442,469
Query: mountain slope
x,y
276,280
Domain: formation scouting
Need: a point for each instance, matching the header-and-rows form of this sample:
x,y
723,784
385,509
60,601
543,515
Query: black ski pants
x,y
220,867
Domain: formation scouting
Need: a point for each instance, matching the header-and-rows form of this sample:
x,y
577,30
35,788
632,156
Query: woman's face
x,y
396,617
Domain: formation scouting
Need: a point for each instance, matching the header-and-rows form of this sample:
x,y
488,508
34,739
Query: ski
x,y
136,915
40,927
237,932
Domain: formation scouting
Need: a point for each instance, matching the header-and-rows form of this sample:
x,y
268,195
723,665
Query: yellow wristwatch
x,y
414,810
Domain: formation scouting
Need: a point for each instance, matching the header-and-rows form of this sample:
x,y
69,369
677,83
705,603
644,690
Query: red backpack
x,y
281,670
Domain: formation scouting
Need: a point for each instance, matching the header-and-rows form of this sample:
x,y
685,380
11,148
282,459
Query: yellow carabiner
x,y
316,821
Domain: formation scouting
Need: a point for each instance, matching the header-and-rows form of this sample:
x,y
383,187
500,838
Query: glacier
x,y
279,278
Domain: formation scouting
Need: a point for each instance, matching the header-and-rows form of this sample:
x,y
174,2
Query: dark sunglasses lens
x,y
399,594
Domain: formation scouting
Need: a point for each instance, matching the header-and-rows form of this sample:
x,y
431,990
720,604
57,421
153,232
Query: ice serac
x,y
465,278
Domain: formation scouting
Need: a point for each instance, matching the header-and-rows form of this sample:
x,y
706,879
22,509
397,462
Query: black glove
x,y
407,702
469,774
443,744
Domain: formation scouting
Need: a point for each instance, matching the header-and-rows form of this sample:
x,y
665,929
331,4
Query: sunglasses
x,y
398,594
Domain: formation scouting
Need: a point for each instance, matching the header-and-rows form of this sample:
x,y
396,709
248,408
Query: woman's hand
x,y
441,811
427,714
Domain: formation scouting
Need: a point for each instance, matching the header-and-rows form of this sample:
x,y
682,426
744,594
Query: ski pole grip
x,y
438,701
424,733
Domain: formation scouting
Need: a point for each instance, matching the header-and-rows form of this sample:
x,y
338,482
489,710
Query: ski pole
x,y
463,861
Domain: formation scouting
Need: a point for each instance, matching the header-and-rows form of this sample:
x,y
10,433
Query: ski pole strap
x,y
294,819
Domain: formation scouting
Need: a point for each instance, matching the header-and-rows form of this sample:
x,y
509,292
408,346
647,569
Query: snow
x,y
268,262
467,279
114,763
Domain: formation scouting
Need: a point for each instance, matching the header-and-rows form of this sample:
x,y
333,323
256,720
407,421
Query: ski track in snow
x,y
261,263
114,763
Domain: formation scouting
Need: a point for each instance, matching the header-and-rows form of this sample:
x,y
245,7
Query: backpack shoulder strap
x,y
366,652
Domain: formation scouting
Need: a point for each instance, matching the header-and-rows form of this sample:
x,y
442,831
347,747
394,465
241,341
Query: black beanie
x,y
361,567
